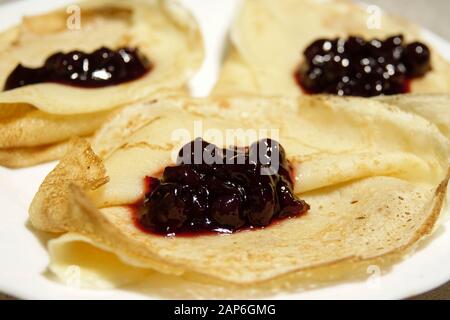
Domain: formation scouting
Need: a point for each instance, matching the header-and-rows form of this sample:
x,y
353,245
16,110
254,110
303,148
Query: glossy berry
x,y
199,152
289,205
228,195
168,203
183,174
103,67
261,204
417,59
356,67
267,152
226,211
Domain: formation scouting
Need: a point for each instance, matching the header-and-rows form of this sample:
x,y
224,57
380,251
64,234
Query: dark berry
x,y
103,67
228,195
164,210
289,205
417,59
355,67
267,153
183,174
199,152
315,48
227,211
261,205
355,46
151,184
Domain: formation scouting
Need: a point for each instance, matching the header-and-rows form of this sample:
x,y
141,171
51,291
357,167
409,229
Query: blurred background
x,y
431,14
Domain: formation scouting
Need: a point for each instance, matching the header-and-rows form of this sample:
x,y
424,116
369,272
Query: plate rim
x,y
23,292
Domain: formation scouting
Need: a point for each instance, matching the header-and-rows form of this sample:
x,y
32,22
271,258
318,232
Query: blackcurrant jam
x,y
356,67
101,68
230,190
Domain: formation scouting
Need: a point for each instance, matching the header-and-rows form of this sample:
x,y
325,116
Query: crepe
x,y
435,107
268,38
163,31
375,178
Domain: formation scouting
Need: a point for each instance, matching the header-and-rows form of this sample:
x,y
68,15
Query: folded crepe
x,y
37,121
268,38
433,107
374,176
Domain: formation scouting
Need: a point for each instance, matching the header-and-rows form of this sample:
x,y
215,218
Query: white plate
x,y
24,259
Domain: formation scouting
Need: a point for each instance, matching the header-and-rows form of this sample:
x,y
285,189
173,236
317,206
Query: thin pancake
x,y
34,117
162,30
30,156
433,107
371,211
269,37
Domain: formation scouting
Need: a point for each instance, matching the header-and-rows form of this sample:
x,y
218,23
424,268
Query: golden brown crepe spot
x,y
30,156
14,110
143,144
81,167
36,128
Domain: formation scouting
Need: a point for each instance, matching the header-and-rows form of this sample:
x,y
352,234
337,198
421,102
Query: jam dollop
x,y
101,68
220,190
356,67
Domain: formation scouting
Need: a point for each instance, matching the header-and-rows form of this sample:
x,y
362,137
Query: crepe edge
x,y
16,158
67,200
